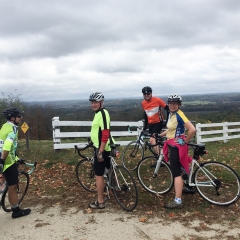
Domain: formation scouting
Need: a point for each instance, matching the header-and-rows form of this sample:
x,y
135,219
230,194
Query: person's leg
x,y
100,188
12,194
178,182
152,141
178,186
99,168
155,129
11,175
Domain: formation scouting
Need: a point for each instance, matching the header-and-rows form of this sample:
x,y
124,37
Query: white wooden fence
x,y
58,135
224,132
217,131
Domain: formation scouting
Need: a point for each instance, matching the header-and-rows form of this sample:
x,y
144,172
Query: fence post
x,y
198,131
225,132
56,130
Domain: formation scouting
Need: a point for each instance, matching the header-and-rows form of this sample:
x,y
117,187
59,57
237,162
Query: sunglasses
x,y
19,116
148,93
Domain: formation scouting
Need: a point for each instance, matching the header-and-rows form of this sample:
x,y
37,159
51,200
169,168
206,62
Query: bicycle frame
x,y
113,167
205,171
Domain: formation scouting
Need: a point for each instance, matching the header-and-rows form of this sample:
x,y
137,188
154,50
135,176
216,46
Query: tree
x,y
10,100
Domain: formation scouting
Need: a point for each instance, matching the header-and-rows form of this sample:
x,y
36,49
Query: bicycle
x,y
149,167
216,182
135,150
22,186
118,179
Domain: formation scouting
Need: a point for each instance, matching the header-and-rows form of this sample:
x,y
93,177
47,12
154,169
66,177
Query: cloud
x,y
62,50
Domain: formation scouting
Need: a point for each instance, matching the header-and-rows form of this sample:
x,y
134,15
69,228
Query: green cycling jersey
x,y
100,122
8,142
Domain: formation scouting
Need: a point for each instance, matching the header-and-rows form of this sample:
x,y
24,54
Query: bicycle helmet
x,y
97,96
11,112
174,98
146,89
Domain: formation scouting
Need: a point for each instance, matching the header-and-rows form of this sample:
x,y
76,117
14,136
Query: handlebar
x,y
24,162
90,145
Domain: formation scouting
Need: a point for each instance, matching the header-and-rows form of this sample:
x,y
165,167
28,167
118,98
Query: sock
x,y
16,209
178,200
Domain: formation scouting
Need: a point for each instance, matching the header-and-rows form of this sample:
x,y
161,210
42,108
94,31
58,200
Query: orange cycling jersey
x,y
152,109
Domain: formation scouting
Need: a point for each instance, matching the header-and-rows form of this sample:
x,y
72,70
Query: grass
x,y
55,177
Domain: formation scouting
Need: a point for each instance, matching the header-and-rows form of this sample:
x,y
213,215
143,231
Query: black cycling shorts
x,y
175,161
155,128
11,175
99,167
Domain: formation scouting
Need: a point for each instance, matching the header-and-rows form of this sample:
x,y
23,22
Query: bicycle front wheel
x,y
124,188
217,183
132,154
161,182
22,187
85,175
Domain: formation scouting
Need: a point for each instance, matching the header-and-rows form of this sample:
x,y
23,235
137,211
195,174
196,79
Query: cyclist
x,y
8,140
176,125
100,136
153,116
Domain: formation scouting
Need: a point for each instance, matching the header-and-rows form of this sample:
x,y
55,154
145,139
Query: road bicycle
x,y
135,150
118,179
216,182
22,186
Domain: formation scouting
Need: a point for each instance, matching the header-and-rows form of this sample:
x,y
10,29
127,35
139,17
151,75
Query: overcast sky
x,y
67,49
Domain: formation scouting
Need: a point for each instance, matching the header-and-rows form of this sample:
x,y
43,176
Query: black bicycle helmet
x,y
97,96
146,89
11,112
174,98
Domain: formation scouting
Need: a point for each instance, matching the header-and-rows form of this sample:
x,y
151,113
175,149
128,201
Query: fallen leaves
x,y
142,219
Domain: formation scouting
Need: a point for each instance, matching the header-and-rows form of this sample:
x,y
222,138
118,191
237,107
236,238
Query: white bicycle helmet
x,y
174,98
97,96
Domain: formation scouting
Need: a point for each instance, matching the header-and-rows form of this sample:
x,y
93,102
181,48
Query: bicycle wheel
x,y
160,183
132,154
85,175
124,188
22,187
217,183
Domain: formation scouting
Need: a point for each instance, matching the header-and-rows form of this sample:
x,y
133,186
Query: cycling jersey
x,y
175,124
152,109
8,142
100,122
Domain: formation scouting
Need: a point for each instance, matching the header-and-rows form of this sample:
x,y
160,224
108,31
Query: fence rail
x,y
205,132
58,135
217,131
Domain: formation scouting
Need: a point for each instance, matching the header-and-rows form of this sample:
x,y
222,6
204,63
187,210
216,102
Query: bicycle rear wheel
x,y
22,187
132,154
217,183
124,188
161,183
85,175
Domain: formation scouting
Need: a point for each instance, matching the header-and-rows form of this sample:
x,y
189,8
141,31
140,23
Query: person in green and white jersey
x,y
8,166
100,136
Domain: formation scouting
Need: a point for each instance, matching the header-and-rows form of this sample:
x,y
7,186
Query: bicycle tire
x,y
22,187
227,182
160,184
85,175
132,154
124,188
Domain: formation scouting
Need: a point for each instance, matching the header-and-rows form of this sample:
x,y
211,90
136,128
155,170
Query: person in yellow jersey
x,y
101,138
8,166
177,141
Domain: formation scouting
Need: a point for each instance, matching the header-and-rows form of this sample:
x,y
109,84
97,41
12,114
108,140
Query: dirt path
x,y
72,224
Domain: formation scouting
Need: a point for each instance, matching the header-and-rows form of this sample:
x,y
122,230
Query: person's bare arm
x,y
191,131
